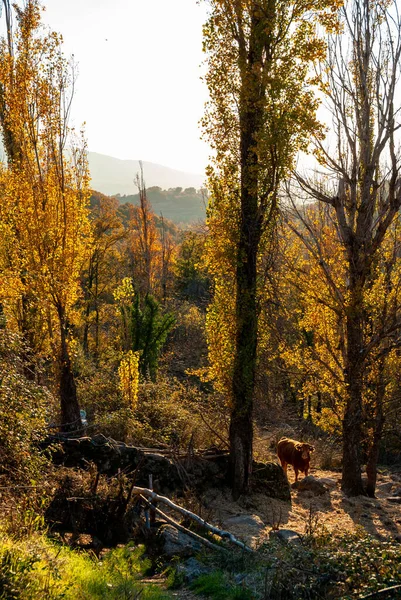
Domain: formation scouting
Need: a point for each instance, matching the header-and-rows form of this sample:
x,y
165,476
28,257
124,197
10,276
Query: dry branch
x,y
225,442
174,523
383,593
187,513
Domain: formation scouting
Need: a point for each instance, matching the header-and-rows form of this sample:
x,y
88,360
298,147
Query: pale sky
x,y
138,88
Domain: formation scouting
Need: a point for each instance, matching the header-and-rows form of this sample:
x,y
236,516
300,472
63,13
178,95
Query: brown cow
x,y
297,454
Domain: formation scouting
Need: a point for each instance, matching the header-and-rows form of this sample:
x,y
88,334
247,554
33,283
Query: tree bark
x,y
69,406
378,424
250,232
353,416
241,426
319,403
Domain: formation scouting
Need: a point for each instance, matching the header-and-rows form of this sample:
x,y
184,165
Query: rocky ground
x,y
317,505
253,517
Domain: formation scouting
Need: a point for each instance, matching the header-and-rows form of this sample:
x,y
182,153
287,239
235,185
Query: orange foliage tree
x,y
45,192
314,347
362,192
103,271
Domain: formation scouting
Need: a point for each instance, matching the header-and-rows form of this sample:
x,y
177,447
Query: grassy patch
x,y
37,568
216,585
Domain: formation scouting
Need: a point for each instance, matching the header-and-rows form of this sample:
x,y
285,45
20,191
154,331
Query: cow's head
x,y
305,449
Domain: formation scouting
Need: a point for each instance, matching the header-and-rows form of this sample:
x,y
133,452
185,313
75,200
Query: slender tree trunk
x,y
309,416
85,337
373,456
88,295
319,403
301,408
241,426
70,412
97,316
164,269
28,337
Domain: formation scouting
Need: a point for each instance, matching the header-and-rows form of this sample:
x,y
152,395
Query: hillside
x,y
176,204
113,176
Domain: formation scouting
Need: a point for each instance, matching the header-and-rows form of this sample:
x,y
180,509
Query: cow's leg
x,y
306,471
284,466
296,474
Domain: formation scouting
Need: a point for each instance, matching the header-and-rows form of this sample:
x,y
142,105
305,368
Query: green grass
x,y
216,586
35,568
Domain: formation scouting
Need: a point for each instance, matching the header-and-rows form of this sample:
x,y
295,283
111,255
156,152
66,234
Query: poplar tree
x,y
261,112
45,194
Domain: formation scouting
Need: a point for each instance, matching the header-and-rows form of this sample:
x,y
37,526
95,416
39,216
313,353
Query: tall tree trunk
x,y
70,412
319,403
27,333
250,231
309,415
97,315
378,424
353,417
241,426
373,455
88,297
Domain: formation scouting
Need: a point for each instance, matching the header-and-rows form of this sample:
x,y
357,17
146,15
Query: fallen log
x,y
187,513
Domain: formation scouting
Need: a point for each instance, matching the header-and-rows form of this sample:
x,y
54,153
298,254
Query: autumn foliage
x,y
287,298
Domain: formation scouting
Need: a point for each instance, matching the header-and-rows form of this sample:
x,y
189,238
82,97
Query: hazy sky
x,y
139,87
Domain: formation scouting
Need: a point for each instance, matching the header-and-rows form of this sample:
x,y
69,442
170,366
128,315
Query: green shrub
x,y
36,568
149,329
170,411
15,574
345,567
24,405
366,564
174,579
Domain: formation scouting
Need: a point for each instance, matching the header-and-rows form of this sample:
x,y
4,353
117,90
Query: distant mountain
x,y
113,176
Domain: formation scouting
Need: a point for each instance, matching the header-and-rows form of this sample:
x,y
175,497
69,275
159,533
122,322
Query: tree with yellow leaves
x,y
262,110
145,248
362,190
45,193
129,378
103,270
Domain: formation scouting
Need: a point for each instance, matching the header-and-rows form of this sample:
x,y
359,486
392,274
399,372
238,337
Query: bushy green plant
x,y
15,573
36,568
170,410
24,405
192,280
366,564
149,330
346,567
174,579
